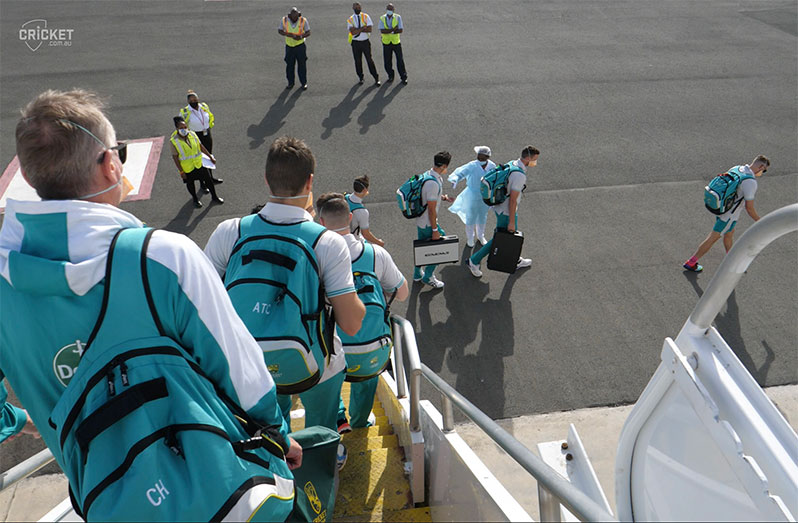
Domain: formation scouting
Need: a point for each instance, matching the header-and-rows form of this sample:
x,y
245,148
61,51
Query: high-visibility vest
x,y
290,42
351,20
185,112
189,154
390,38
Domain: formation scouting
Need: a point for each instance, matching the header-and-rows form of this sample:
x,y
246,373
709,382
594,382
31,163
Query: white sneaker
x,y
483,240
474,269
433,282
470,243
523,262
341,455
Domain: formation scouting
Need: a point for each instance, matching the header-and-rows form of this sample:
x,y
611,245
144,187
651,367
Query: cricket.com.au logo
x,y
35,33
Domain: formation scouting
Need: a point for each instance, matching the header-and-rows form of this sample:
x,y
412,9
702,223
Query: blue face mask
x,y
389,13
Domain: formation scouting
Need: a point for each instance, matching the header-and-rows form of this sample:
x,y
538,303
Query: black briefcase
x,y
433,252
505,251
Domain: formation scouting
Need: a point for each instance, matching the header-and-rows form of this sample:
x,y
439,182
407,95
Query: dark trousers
x,y
388,50
207,141
362,48
296,55
204,177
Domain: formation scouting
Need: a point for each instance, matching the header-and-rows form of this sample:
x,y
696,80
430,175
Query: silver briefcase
x,y
433,252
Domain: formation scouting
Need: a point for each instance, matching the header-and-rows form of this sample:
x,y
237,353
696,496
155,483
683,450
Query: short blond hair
x,y
59,158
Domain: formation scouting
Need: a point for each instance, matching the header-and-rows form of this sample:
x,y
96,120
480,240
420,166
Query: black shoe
x,y
404,81
389,80
204,190
289,86
218,200
197,204
377,82
305,87
217,181
360,82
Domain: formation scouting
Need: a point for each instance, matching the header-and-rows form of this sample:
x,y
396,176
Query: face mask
x,y
357,11
389,13
532,163
183,132
483,164
194,105
123,181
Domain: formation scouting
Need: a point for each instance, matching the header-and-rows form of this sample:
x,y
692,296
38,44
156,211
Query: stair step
x,y
369,432
354,445
373,482
421,514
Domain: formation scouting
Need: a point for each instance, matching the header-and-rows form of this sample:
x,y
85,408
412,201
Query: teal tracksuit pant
x,y
320,402
502,221
361,399
426,234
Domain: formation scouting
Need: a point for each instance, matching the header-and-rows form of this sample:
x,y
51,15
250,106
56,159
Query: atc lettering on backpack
x,y
262,308
157,495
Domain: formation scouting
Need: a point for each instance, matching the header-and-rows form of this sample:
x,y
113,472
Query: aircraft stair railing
x,y
450,496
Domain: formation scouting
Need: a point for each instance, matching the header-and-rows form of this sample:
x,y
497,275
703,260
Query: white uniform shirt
x,y
356,22
385,269
332,254
198,119
516,182
360,217
747,189
431,192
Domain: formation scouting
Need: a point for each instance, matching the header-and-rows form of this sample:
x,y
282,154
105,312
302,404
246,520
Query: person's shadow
x,y
183,222
373,113
341,114
728,325
274,119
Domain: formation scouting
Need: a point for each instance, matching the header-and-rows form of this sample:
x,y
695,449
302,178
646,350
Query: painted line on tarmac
x,y
140,166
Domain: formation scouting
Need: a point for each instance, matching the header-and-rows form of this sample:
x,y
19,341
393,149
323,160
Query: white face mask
x,y
123,181
389,13
483,164
183,132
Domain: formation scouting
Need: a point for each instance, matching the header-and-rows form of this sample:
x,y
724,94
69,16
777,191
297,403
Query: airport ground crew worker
x,y
469,206
507,211
359,26
53,261
427,225
360,215
391,27
295,28
200,119
333,211
187,153
289,177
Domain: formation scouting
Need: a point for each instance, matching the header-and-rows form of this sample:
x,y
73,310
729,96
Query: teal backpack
x,y
353,206
720,196
408,195
493,188
368,351
141,427
274,283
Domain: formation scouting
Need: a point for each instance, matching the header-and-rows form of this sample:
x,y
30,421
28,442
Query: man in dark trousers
x,y
200,120
187,154
360,26
295,28
391,27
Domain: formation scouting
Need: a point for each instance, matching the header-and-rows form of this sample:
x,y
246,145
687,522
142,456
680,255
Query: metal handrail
x,y
405,347
737,260
26,468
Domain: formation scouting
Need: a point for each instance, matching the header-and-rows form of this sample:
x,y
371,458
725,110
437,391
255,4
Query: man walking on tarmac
x,y
427,225
80,278
295,28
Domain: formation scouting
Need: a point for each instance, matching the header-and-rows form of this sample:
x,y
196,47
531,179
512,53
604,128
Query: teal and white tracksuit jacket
x,y
53,259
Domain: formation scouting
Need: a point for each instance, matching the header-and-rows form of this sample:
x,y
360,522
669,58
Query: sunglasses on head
x,y
121,148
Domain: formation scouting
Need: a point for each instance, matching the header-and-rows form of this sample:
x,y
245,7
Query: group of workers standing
x,y
296,29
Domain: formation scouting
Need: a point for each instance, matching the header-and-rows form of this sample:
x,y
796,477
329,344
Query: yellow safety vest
x,y
185,112
290,42
351,20
189,154
390,38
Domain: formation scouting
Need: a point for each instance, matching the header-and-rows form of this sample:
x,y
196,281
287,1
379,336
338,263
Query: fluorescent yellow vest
x,y
352,21
185,112
391,38
290,42
189,154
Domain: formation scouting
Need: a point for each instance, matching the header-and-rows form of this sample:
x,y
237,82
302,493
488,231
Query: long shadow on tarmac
x,y
373,113
479,376
341,114
274,119
183,222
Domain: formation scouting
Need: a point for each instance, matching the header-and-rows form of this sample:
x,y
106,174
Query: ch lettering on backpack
x,y
262,308
156,495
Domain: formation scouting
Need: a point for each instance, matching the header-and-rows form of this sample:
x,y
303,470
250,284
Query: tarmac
x,y
635,105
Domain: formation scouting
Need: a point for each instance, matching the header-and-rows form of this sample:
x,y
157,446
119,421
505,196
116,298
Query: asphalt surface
x,y
634,105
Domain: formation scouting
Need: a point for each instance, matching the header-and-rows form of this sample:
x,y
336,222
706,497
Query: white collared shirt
x,y
385,269
431,192
515,183
354,21
360,217
198,119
